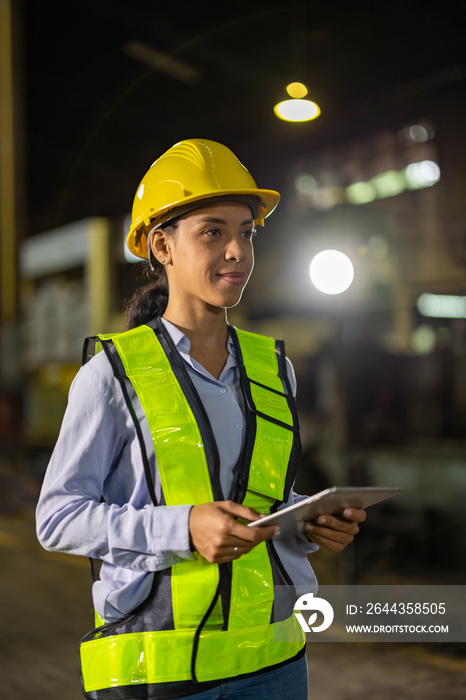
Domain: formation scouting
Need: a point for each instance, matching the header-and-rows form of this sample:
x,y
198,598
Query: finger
x,y
253,535
238,551
227,554
330,538
230,553
241,531
239,511
340,536
340,524
357,515
331,545
240,548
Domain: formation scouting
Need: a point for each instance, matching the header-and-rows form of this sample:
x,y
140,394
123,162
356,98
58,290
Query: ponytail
x,y
147,303
151,300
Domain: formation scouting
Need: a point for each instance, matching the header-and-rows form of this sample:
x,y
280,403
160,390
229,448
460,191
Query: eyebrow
x,y
215,220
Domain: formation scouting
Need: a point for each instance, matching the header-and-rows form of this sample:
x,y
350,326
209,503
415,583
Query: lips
x,y
233,277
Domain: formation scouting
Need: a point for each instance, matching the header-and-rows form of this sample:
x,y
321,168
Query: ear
x,y
160,246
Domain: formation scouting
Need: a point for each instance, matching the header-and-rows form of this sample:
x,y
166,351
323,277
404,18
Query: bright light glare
x,y
331,271
418,133
305,184
361,193
423,174
297,90
389,184
423,340
297,110
442,306
393,182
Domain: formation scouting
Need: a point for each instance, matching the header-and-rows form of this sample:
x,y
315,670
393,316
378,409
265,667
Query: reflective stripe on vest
x,y
246,641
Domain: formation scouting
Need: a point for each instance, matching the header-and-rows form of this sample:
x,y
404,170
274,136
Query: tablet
x,y
332,501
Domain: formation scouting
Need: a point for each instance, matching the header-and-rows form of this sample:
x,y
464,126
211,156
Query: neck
x,y
206,326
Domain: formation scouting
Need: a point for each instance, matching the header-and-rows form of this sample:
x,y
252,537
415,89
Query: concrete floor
x,y
46,608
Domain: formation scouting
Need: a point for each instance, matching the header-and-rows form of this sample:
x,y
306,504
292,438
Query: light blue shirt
x,y
98,453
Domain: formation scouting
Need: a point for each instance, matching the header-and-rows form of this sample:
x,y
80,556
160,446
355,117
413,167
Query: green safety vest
x,y
202,622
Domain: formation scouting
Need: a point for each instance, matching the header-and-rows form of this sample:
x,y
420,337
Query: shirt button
x,y
223,390
239,426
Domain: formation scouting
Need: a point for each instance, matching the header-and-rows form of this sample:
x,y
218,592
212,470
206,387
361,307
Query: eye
x,y
213,232
249,234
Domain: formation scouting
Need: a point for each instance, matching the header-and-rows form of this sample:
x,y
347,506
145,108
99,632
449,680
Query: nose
x,y
236,248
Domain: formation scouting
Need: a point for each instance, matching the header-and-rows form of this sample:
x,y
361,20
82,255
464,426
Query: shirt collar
x,y
183,344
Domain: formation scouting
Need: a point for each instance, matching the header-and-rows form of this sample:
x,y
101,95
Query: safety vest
x,y
202,622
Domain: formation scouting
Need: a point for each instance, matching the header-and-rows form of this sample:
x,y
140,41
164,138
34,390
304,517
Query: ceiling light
x,y
297,90
297,109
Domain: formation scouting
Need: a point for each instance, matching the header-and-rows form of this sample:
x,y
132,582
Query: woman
x,y
177,433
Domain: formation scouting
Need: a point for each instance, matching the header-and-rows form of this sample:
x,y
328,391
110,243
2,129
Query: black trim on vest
x,y
201,626
89,354
274,391
251,406
226,573
270,545
296,447
281,578
284,597
244,464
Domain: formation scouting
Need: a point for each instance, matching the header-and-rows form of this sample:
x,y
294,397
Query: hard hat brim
x,y
137,236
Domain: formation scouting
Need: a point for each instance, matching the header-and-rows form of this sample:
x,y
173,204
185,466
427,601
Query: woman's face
x,y
210,257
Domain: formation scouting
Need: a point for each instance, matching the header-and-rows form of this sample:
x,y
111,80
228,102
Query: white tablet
x,y
332,501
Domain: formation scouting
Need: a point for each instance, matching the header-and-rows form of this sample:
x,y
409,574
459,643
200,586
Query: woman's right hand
x,y
218,536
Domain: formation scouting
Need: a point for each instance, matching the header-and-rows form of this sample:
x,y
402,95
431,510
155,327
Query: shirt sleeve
x,y
94,440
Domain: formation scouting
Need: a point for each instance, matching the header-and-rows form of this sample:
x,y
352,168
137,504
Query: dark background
x,y
92,118
96,118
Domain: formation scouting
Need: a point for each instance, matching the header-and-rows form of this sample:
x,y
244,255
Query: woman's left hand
x,y
335,533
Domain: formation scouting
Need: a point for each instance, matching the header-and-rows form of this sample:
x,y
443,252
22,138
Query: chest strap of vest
x,y
270,408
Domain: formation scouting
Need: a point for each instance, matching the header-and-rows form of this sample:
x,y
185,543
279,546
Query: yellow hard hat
x,y
189,172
